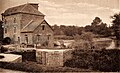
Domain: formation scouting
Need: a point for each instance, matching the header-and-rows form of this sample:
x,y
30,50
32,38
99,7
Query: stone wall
x,y
23,38
10,22
45,35
52,58
18,21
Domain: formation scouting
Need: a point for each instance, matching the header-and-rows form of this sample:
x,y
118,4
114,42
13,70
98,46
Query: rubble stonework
x,y
24,24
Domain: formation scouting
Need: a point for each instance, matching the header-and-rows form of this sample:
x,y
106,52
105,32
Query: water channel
x,y
10,71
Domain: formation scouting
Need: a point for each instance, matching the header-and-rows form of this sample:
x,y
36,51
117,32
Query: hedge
x,y
102,60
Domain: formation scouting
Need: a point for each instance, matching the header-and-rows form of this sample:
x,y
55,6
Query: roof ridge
x,y
15,6
36,9
49,25
40,23
27,24
33,25
23,7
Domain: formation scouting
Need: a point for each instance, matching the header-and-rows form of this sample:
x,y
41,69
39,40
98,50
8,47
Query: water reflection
x,y
112,45
10,71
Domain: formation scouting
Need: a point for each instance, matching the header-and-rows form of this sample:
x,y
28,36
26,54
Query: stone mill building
x,y
24,24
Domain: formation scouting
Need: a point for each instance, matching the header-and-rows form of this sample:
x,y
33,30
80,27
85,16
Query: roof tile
x,y
26,8
31,26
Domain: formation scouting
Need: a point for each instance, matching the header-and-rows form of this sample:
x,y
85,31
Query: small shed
x,y
53,57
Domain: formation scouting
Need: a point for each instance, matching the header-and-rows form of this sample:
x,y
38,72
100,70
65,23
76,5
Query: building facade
x,y
24,24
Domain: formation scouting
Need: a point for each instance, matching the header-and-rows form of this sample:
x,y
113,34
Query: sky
x,y
70,12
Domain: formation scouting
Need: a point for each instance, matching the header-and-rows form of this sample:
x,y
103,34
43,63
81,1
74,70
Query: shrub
x,y
24,66
108,60
103,60
3,49
6,41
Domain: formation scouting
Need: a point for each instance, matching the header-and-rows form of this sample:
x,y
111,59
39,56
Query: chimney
x,y
35,5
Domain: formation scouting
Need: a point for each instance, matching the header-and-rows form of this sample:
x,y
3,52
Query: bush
x,y
103,60
26,55
24,66
34,67
6,41
3,49
108,60
81,59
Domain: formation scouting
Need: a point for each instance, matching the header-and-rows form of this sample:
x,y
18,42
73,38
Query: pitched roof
x,y
32,25
26,8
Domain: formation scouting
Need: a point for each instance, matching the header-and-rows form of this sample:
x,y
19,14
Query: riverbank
x,y
35,67
10,71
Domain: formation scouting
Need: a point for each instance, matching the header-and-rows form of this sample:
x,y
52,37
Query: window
x,y
26,39
5,30
14,20
43,27
14,29
38,38
48,37
14,36
5,21
18,39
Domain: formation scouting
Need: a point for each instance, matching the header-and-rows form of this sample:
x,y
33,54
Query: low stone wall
x,y
48,57
52,57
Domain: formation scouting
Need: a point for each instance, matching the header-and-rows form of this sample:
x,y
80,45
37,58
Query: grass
x,y
34,67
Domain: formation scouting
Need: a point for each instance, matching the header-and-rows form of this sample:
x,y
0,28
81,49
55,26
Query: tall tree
x,y
96,21
116,25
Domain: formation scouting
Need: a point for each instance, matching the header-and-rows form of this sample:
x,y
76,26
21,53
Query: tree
x,y
96,21
116,27
6,41
1,31
57,30
88,28
95,25
84,41
98,27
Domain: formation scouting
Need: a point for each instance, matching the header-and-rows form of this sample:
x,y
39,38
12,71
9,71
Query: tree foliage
x,y
6,41
83,41
67,30
96,21
116,25
98,27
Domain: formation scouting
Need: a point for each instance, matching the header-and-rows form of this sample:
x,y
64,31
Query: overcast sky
x,y
70,12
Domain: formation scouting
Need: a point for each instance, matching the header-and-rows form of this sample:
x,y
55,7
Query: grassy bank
x,y
34,67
